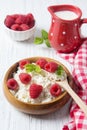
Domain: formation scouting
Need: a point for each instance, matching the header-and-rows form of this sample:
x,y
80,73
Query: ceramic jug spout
x,y
52,10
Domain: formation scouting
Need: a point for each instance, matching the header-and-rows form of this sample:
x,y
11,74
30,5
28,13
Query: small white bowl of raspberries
x,y
20,27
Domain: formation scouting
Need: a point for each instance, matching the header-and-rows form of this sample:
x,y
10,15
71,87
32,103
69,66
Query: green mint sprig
x,y
38,40
32,67
44,34
42,39
60,71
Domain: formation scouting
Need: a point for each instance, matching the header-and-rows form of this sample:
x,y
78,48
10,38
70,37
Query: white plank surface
x,y
11,51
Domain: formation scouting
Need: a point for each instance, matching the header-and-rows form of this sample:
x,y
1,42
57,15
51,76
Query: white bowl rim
x,y
11,30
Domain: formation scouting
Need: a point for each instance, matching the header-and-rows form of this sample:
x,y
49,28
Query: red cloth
x,y
79,61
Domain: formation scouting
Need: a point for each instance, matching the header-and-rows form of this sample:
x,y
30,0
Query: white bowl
x,y
20,35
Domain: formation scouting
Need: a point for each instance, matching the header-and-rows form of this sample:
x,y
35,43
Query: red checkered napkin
x,y
79,61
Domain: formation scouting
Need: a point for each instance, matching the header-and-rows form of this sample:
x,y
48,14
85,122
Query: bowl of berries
x,y
20,27
31,85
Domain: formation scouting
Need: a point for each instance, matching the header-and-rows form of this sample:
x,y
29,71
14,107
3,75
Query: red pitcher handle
x,y
83,21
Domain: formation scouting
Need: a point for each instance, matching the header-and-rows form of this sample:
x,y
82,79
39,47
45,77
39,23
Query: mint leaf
x,y
44,34
42,39
38,40
47,43
60,70
37,69
29,67
32,67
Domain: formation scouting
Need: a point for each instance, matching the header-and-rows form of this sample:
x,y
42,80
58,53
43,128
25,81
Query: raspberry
x,y
22,63
41,62
15,16
51,66
12,84
30,17
30,20
16,27
21,19
19,22
55,90
31,24
24,27
35,90
9,21
25,78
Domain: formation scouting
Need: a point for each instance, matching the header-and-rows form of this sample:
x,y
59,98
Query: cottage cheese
x,y
44,78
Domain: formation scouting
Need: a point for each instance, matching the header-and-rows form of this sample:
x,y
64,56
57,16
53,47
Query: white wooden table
x,y
11,51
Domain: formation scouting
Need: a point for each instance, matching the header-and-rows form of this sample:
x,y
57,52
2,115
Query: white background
x,y
11,51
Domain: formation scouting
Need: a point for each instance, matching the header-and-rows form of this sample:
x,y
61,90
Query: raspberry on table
x,y
12,84
41,62
22,63
55,90
51,67
35,90
25,78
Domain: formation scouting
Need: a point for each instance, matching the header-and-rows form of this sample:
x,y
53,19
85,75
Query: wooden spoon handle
x,y
76,98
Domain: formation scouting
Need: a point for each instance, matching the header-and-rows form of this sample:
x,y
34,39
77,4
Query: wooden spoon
x,y
64,84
